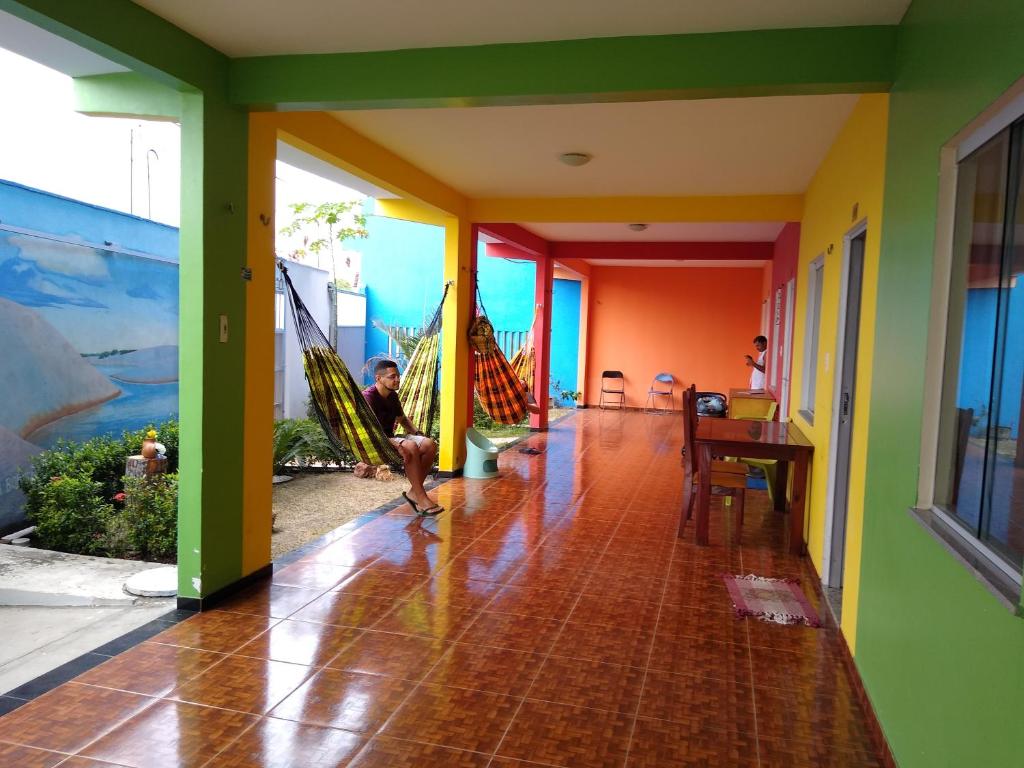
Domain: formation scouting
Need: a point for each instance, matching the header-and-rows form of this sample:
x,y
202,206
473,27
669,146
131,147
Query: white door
x,y
787,349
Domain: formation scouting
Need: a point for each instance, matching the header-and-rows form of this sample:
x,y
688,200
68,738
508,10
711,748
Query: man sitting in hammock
x,y
418,450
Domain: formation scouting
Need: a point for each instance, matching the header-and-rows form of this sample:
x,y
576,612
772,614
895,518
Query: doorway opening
x,y
843,408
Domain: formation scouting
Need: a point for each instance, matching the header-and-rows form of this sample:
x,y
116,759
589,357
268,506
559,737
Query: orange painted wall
x,y
696,323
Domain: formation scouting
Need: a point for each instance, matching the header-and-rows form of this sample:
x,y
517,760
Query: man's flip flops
x,y
437,509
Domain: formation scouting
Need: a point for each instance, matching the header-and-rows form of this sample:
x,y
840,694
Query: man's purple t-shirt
x,y
387,409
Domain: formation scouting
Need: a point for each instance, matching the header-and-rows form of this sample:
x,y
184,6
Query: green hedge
x,y
74,494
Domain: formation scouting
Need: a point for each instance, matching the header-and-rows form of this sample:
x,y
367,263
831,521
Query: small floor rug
x,y
780,601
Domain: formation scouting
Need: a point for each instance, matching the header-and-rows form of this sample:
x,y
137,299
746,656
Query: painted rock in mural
x,y
43,377
15,454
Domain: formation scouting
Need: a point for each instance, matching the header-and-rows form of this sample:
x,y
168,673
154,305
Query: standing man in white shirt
x,y
757,366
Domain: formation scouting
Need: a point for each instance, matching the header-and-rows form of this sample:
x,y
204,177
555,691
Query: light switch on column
x,y
223,329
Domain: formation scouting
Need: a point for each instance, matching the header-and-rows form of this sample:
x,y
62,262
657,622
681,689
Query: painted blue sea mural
x,y
89,342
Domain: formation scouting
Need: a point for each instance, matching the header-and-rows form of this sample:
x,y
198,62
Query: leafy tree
x,y
321,226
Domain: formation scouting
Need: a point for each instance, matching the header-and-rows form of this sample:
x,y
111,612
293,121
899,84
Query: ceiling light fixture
x,y
637,227
575,159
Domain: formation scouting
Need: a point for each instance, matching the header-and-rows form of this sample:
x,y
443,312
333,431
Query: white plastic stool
x,y
481,456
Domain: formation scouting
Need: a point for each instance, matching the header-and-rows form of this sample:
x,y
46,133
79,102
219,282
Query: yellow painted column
x,y
459,242
259,346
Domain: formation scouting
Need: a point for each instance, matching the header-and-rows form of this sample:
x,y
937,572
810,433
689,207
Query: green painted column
x,y
173,72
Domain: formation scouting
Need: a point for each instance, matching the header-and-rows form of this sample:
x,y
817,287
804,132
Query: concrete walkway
x,y
55,607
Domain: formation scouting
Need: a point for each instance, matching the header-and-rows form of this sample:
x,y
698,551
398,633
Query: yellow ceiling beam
x,y
333,142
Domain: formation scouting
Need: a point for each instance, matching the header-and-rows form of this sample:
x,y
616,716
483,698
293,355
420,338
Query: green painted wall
x,y
787,61
213,252
942,660
126,94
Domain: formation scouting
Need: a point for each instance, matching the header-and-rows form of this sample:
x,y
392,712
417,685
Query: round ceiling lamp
x,y
575,159
637,227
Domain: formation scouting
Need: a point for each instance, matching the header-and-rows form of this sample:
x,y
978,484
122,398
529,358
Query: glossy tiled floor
x,y
551,617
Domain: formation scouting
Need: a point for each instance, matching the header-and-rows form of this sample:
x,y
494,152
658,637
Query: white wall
x,y
311,284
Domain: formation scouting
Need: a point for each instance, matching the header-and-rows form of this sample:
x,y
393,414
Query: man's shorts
x,y
417,439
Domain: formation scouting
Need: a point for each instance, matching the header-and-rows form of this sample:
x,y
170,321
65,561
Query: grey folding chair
x,y
661,386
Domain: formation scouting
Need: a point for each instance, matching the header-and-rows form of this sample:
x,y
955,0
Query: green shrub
x,y
71,515
147,527
303,441
99,460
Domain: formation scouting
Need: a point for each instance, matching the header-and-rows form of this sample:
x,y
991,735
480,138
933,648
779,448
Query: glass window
x,y
980,469
815,286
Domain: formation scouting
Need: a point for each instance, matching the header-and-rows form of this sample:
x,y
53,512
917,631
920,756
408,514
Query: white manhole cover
x,y
156,582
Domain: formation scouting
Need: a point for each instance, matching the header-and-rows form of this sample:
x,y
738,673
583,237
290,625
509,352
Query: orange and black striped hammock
x,y
502,394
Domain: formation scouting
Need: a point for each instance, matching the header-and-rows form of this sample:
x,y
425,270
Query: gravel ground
x,y
313,504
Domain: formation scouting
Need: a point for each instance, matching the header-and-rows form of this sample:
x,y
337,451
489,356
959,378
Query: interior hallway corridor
x,y
551,617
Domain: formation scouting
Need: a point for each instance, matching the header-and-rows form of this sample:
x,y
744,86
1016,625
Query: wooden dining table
x,y
781,441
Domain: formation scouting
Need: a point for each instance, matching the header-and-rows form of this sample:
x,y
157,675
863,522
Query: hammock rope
x,y
524,362
418,391
502,394
338,401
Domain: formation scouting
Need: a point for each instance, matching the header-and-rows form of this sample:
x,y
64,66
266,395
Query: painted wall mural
x,y
89,347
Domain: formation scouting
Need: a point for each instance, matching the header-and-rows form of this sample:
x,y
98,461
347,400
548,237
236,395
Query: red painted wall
x,y
696,323
785,258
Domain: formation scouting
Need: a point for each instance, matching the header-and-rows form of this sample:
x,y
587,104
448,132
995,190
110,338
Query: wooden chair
x,y
728,478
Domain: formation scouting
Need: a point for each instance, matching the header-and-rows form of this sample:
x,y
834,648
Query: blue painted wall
x,y
976,362
402,269
89,307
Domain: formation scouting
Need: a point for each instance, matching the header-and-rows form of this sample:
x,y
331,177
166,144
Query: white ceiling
x,y
767,145
709,232
52,51
265,27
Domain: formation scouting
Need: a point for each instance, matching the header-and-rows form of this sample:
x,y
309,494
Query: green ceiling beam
x,y
131,36
727,64
126,94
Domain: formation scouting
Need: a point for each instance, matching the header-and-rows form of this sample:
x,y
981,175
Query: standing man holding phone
x,y
757,366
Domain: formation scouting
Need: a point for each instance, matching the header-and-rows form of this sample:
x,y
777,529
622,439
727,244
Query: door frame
x,y
786,374
858,229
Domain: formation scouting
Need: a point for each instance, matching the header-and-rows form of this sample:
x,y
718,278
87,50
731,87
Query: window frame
x,y
1001,579
812,337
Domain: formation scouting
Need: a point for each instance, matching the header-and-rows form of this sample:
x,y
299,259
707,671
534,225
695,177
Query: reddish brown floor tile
x,y
568,587
171,734
453,717
300,642
281,744
383,653
349,700
383,752
212,631
625,645
701,702
381,583
659,743
319,576
151,668
69,717
496,670
437,620
509,630
575,737
273,600
243,684
345,609
27,757
586,683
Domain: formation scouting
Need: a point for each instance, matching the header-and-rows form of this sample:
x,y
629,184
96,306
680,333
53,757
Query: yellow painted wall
x,y
259,348
852,174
